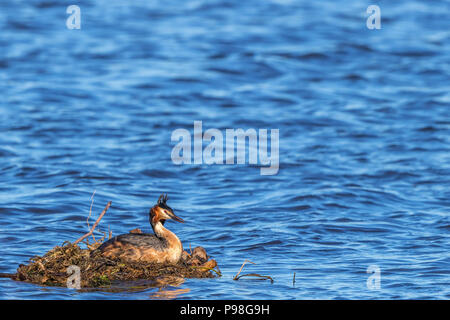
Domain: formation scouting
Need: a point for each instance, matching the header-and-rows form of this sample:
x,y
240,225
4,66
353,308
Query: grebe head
x,y
162,212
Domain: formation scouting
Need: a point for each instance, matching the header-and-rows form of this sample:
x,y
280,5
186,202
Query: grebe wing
x,y
138,240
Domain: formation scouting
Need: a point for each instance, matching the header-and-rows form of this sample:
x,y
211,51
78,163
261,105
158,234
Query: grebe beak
x,y
174,217
168,214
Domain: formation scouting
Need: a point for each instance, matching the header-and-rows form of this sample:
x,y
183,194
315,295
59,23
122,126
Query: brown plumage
x,y
161,247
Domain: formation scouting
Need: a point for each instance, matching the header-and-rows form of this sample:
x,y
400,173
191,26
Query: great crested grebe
x,y
161,247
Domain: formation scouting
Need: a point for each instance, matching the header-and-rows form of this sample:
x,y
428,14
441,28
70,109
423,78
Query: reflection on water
x,y
160,288
166,294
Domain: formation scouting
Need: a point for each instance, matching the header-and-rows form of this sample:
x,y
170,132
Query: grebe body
x,y
161,247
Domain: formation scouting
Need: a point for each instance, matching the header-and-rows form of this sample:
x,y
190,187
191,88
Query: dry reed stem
x,y
95,224
90,209
245,261
260,277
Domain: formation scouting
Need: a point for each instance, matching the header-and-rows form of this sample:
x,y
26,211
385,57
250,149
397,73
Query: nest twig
x,y
95,224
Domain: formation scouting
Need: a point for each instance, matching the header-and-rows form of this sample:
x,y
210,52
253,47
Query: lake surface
x,y
364,140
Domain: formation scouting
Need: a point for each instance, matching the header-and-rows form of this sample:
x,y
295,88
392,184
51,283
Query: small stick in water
x,y
258,276
245,261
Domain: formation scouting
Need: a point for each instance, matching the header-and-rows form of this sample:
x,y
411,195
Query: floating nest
x,y
98,271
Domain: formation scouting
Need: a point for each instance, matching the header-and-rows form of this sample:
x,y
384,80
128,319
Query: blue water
x,y
363,119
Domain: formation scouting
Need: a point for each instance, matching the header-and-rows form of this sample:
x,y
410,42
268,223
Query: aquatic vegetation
x,y
99,271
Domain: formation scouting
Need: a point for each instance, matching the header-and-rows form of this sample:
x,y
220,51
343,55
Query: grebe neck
x,y
160,231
